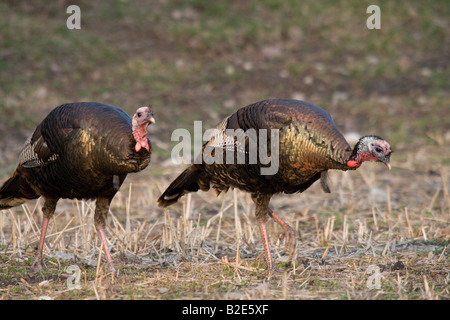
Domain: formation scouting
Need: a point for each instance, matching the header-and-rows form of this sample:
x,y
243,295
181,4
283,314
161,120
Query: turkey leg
x,y
289,233
101,211
262,212
265,241
48,211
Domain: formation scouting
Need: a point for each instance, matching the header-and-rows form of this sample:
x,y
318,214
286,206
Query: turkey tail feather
x,y
186,182
15,191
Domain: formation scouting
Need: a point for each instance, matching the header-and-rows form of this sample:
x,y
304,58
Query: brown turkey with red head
x,y
308,144
79,151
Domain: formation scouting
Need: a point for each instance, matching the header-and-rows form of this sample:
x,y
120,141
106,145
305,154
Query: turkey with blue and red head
x,y
308,145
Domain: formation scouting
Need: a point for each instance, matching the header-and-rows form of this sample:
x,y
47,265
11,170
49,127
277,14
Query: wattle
x,y
141,139
353,164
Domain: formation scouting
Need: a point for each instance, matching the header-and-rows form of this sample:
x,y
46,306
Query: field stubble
x,y
376,236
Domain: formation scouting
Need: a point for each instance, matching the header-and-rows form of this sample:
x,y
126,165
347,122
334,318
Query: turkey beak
x,y
150,115
387,161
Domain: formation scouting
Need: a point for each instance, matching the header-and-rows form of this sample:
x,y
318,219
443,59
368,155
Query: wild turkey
x,y
309,144
79,151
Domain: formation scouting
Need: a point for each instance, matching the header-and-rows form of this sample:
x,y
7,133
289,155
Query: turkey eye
x,y
378,149
139,114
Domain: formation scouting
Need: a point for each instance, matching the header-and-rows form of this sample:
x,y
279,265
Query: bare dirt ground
x,y
379,235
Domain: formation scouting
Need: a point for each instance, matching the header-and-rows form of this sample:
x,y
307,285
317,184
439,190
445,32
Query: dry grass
x,y
368,240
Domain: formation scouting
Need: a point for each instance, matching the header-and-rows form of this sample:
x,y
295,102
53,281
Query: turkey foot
x,y
38,265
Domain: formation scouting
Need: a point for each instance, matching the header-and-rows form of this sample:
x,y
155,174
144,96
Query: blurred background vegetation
x,y
201,60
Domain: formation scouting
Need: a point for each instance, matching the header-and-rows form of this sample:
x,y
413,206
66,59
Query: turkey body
x,y
308,145
79,151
